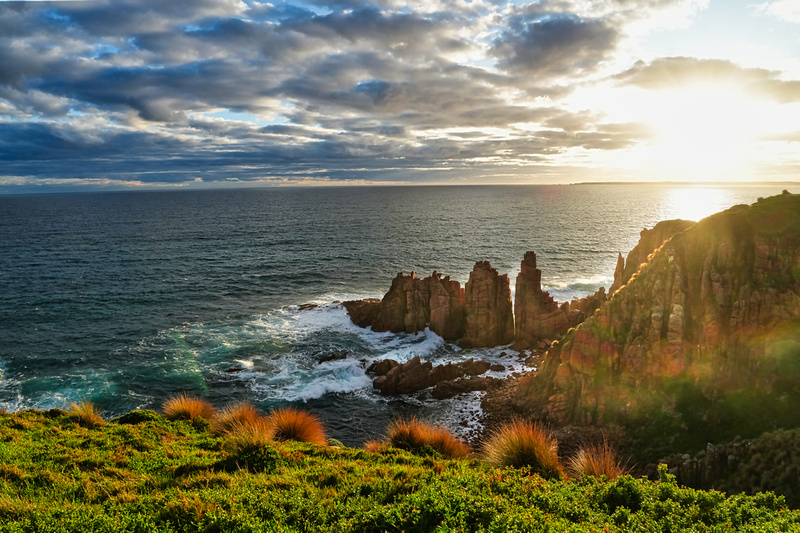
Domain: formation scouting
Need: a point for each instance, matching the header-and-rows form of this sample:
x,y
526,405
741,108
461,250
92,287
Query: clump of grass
x,y
227,418
292,424
185,407
246,435
596,460
411,434
407,434
375,446
85,414
520,444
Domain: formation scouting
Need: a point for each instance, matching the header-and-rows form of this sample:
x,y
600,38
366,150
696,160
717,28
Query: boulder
x,y
414,375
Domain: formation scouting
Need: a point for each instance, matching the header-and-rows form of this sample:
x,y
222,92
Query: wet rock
x,y
332,357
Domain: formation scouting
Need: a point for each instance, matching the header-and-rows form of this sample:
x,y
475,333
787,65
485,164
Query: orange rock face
x,y
716,309
489,314
412,304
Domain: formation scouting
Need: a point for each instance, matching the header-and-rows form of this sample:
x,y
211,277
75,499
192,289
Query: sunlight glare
x,y
695,203
705,132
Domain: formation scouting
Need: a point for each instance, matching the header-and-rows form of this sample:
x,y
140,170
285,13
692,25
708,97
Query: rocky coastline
x,y
696,340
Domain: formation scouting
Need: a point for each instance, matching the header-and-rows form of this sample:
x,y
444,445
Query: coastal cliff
x,y
706,331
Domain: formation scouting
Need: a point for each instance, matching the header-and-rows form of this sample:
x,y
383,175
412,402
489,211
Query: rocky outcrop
x,y
539,319
714,313
414,375
412,304
489,314
650,240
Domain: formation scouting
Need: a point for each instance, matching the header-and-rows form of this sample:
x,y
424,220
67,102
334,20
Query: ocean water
x,y
128,298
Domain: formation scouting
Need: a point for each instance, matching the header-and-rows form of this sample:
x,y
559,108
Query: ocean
x,y
128,298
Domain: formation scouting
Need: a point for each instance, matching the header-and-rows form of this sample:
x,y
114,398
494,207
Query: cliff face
x,y
649,240
716,311
490,318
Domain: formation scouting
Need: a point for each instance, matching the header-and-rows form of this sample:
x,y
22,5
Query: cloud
x,y
554,44
671,72
787,10
148,91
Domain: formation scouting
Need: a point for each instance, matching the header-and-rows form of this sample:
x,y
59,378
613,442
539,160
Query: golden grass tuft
x,y
519,444
292,424
600,461
407,434
411,434
185,407
375,446
227,418
446,443
244,435
86,414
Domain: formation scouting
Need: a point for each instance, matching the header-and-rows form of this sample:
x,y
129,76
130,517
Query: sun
x,y
704,132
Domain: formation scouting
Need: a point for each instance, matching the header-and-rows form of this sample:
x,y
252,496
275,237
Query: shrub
x,y
598,461
521,444
185,407
414,435
293,424
240,413
85,414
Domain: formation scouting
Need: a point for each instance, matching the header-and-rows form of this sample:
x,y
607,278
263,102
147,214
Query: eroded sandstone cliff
x,y
714,316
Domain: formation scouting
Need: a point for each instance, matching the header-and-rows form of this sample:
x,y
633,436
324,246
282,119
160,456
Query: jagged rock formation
x,y
490,319
412,304
713,318
538,317
649,241
414,375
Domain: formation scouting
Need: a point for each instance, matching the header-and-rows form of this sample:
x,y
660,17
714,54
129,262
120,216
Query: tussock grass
x,y
245,435
227,418
375,446
596,460
407,434
292,424
519,444
411,434
86,414
185,407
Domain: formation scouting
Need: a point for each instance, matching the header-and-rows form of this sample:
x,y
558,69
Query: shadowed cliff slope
x,y
706,334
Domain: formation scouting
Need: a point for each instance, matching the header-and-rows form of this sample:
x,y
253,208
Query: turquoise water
x,y
127,298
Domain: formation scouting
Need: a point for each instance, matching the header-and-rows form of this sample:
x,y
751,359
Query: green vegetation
x,y
141,472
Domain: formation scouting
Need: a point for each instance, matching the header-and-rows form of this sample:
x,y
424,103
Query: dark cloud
x,y
555,44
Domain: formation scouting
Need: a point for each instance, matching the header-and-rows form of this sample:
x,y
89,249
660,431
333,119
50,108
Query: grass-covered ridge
x,y
145,473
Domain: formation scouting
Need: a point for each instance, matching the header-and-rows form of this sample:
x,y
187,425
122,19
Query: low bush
x,y
522,444
292,424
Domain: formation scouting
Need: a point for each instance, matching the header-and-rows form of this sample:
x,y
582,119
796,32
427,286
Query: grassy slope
x,y
156,475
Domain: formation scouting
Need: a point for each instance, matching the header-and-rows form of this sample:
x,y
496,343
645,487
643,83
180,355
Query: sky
x,y
143,94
